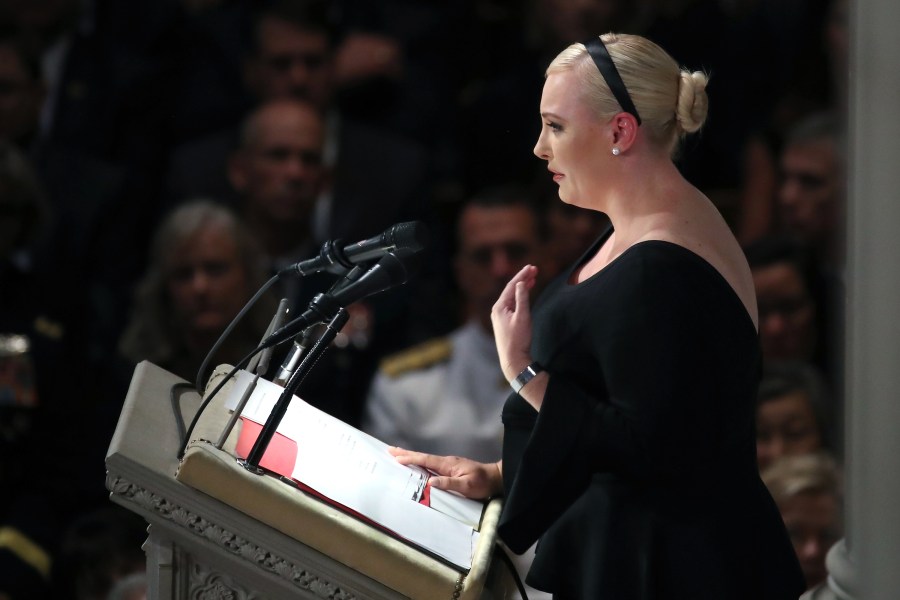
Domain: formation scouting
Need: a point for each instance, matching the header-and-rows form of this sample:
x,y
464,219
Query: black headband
x,y
610,73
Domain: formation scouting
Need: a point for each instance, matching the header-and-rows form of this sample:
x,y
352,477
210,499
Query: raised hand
x,y
511,319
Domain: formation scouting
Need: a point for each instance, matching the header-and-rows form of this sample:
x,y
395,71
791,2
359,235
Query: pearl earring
x,y
616,151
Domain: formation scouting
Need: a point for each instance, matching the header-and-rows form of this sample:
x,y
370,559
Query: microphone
x,y
303,339
412,235
301,343
394,268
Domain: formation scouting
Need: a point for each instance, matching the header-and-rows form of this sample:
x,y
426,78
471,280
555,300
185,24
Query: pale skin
x,y
578,147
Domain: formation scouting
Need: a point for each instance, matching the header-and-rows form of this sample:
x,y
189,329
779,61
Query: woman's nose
x,y
540,148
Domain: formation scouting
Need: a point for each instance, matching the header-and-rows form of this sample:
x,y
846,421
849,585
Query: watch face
x,y
525,376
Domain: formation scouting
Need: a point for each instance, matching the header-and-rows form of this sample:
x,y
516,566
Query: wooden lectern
x,y
219,531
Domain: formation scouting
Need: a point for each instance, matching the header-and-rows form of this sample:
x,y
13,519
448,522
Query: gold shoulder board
x,y
417,357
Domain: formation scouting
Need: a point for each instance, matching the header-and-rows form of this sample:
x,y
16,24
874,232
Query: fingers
x,y
508,297
438,464
523,308
449,484
525,275
466,485
474,480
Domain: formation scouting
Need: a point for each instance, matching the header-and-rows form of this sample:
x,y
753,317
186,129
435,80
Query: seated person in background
x,y
790,322
791,413
811,200
807,490
277,172
445,396
204,268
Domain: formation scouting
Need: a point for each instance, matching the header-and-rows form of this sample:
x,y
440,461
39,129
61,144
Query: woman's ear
x,y
624,130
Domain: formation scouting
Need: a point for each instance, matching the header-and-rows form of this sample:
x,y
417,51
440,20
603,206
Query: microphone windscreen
x,y
412,235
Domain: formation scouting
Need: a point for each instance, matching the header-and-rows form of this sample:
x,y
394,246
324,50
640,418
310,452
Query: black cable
x,y
243,362
179,420
512,569
229,329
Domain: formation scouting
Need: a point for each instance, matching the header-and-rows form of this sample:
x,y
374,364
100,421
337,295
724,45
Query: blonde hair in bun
x,y
692,101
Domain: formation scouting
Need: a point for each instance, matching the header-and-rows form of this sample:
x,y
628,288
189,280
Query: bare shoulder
x,y
698,226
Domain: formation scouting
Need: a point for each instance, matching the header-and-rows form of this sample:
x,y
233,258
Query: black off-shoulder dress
x,y
639,473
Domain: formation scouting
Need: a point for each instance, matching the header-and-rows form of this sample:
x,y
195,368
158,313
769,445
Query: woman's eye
x,y
554,126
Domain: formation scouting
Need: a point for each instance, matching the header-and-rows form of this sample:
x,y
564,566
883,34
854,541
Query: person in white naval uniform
x,y
445,396
441,397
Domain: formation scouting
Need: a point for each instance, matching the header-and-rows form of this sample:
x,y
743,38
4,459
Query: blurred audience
x,y
377,177
811,78
21,90
287,54
792,325
98,138
291,53
204,268
813,187
57,408
808,491
35,338
792,413
571,232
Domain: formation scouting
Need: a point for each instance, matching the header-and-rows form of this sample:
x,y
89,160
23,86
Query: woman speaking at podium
x,y
629,448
